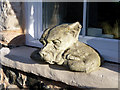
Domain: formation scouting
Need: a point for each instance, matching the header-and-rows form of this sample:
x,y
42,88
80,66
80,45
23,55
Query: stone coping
x,y
19,58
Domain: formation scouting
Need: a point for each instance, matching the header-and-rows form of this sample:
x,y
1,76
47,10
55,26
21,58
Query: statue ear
x,y
75,29
44,35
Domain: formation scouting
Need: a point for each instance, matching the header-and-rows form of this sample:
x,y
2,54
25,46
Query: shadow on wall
x,y
12,38
17,41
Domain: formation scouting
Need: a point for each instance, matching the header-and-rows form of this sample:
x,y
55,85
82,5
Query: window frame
x,y
108,48
33,34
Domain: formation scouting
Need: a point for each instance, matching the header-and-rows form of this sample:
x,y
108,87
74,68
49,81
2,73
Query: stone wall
x,y
12,23
10,15
16,79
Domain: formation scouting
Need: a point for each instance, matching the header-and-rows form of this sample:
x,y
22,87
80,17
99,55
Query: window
x,y
94,30
55,13
42,15
33,23
103,19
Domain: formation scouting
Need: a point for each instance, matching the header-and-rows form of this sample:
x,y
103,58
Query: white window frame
x,y
108,48
33,23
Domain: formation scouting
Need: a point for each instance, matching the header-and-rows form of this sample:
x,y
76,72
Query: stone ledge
x,y
19,58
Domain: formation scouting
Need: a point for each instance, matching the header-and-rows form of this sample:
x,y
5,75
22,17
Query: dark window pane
x,y
103,19
55,13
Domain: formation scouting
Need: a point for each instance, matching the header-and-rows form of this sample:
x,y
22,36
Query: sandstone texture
x,y
12,23
21,80
19,58
10,15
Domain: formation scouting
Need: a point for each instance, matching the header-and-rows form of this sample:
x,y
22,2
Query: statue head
x,y
56,40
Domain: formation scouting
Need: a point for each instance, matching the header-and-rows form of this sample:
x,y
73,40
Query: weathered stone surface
x,y
0,73
10,15
19,58
61,46
1,86
12,23
31,81
12,86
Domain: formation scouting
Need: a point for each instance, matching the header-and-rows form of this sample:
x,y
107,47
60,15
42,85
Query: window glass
x,y
103,19
55,13
52,14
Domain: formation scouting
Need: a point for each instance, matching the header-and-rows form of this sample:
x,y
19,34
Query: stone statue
x,y
61,46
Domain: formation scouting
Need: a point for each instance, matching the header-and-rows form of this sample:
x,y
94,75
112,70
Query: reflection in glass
x,y
52,14
103,19
55,13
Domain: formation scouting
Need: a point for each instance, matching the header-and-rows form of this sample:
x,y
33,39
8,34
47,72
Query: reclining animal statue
x,y
61,46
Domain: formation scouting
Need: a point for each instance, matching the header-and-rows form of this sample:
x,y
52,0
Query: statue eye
x,y
56,42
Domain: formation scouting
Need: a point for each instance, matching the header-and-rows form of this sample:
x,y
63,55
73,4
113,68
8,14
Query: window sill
x,y
34,43
108,48
19,58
